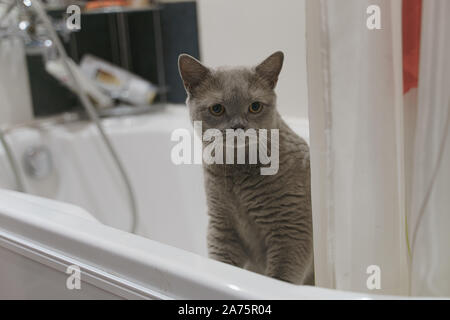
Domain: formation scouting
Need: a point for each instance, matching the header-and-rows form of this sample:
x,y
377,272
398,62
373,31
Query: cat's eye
x,y
217,109
255,107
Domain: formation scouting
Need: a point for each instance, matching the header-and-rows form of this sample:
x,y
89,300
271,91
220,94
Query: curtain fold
x,y
380,159
357,145
429,217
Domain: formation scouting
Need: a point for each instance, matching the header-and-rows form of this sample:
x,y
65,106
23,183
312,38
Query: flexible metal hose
x,y
12,162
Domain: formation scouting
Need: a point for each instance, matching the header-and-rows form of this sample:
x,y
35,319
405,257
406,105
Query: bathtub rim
x,y
159,271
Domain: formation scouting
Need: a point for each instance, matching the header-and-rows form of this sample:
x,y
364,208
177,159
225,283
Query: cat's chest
x,y
251,235
239,193
244,222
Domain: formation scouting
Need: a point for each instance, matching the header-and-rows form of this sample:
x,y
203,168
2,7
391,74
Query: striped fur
x,y
259,222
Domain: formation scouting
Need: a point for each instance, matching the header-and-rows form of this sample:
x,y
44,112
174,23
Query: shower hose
x,y
90,110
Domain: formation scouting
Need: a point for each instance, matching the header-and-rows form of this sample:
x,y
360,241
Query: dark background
x,y
100,37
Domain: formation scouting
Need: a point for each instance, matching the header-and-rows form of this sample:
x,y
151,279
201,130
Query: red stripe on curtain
x,y
411,22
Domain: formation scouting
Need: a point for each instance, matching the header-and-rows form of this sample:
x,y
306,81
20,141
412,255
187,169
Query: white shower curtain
x,y
429,219
357,146
380,160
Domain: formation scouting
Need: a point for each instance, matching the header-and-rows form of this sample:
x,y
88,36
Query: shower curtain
x,y
355,97
375,141
429,218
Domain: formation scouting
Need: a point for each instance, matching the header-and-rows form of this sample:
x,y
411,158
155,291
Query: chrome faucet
x,y
37,25
19,20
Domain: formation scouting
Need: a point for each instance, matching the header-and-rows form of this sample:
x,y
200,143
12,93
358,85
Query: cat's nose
x,y
238,126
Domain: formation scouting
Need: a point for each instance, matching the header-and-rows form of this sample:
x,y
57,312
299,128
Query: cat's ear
x,y
270,68
192,72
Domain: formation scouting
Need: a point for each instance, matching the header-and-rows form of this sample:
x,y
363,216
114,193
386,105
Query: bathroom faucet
x,y
36,24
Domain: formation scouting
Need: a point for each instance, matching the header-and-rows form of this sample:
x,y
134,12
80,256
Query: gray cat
x,y
259,222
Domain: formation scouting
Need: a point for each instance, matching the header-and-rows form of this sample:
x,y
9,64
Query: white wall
x,y
247,31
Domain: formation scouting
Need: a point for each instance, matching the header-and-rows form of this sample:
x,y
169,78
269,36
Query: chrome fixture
x,y
37,162
36,26
12,162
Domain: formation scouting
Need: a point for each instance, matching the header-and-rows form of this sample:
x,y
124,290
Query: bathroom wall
x,y
244,32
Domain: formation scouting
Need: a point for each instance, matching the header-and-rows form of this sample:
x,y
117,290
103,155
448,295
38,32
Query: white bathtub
x,y
40,238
